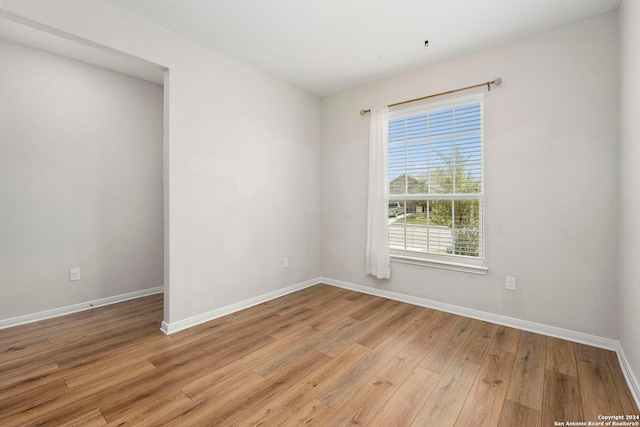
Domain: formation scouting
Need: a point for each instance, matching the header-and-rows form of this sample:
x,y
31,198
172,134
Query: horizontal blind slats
x,y
435,172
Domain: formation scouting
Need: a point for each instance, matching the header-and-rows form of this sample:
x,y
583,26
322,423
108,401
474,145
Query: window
x,y
436,175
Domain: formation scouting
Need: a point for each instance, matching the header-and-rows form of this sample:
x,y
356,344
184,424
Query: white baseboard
x,y
552,331
632,381
56,312
579,337
170,328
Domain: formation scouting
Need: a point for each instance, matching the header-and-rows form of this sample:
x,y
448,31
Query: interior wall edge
x,y
170,328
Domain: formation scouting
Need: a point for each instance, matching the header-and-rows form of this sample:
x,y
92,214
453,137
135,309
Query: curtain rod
x,y
496,82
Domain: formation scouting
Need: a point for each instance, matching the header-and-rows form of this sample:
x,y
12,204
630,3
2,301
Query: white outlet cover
x,y
510,283
74,274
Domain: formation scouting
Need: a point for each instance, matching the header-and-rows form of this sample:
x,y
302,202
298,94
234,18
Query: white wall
x,y
244,183
550,186
629,230
80,182
242,167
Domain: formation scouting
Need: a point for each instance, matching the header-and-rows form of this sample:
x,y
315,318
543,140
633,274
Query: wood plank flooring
x,y
323,356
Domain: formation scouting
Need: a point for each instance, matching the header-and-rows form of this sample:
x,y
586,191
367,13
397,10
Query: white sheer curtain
x,y
378,259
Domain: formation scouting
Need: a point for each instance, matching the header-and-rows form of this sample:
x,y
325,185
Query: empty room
x,y
328,213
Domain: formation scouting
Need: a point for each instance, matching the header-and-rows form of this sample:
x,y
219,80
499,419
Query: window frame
x,y
464,263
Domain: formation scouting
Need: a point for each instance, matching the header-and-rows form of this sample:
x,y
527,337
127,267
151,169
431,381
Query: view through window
x,y
436,180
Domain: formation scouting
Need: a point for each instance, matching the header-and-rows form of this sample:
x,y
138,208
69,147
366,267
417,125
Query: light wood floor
x,y
321,356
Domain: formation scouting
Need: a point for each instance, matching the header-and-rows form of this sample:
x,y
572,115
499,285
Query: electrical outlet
x,y
74,274
510,283
285,262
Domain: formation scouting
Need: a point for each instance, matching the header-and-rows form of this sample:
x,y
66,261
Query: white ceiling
x,y
327,46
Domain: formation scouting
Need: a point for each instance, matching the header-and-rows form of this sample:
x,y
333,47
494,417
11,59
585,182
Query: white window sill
x,y
445,265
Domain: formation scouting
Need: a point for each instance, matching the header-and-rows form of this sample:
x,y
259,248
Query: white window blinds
x,y
436,179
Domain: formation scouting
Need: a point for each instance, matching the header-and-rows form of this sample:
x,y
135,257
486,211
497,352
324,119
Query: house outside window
x,y
436,176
